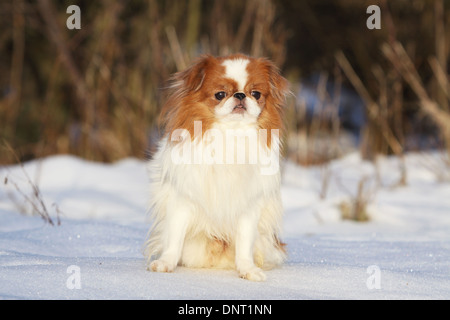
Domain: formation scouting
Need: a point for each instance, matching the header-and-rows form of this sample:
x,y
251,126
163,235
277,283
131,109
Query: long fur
x,y
216,215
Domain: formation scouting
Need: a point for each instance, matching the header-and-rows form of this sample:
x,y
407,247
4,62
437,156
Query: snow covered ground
x,y
403,252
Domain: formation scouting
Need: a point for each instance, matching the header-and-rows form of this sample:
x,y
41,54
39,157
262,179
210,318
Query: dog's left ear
x,y
279,86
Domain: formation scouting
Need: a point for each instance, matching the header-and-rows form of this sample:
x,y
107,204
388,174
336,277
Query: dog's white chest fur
x,y
217,186
209,200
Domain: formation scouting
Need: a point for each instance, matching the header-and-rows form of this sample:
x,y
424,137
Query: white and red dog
x,y
215,178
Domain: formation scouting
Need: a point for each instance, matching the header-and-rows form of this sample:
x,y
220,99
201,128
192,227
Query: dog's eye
x,y
256,95
220,95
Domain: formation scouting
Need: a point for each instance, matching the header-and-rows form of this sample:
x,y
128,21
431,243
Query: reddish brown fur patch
x,y
185,102
280,245
275,90
215,250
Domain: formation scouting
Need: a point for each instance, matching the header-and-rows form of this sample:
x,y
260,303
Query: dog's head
x,y
231,90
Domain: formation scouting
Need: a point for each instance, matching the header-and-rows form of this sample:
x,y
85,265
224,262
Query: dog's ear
x,y
279,86
182,85
192,78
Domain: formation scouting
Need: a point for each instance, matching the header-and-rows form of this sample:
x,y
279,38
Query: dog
x,y
215,178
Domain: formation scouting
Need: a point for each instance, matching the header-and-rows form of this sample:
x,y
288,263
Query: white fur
x,y
196,205
236,69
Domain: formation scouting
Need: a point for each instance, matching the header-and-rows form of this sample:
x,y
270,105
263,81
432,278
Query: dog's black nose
x,y
239,95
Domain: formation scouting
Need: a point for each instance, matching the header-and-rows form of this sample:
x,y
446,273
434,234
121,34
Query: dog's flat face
x,y
236,95
235,88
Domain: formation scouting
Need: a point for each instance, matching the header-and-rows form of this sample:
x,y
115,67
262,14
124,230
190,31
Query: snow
x,y
402,252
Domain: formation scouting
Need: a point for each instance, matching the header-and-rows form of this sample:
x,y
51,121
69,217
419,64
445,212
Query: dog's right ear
x,y
192,78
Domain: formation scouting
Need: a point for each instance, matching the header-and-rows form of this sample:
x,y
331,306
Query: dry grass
x,y
96,92
355,207
29,202
315,140
429,105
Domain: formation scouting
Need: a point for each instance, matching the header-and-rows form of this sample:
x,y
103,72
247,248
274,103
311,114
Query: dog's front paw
x,y
161,266
253,274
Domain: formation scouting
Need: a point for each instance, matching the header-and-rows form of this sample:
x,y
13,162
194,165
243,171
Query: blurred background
x,y
96,92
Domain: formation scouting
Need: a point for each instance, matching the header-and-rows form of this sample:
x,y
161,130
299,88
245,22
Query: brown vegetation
x,y
96,92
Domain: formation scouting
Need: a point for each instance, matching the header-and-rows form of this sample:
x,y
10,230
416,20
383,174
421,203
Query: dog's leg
x,y
247,229
175,231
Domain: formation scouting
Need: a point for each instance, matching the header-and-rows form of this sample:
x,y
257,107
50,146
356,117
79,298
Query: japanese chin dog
x,y
215,178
